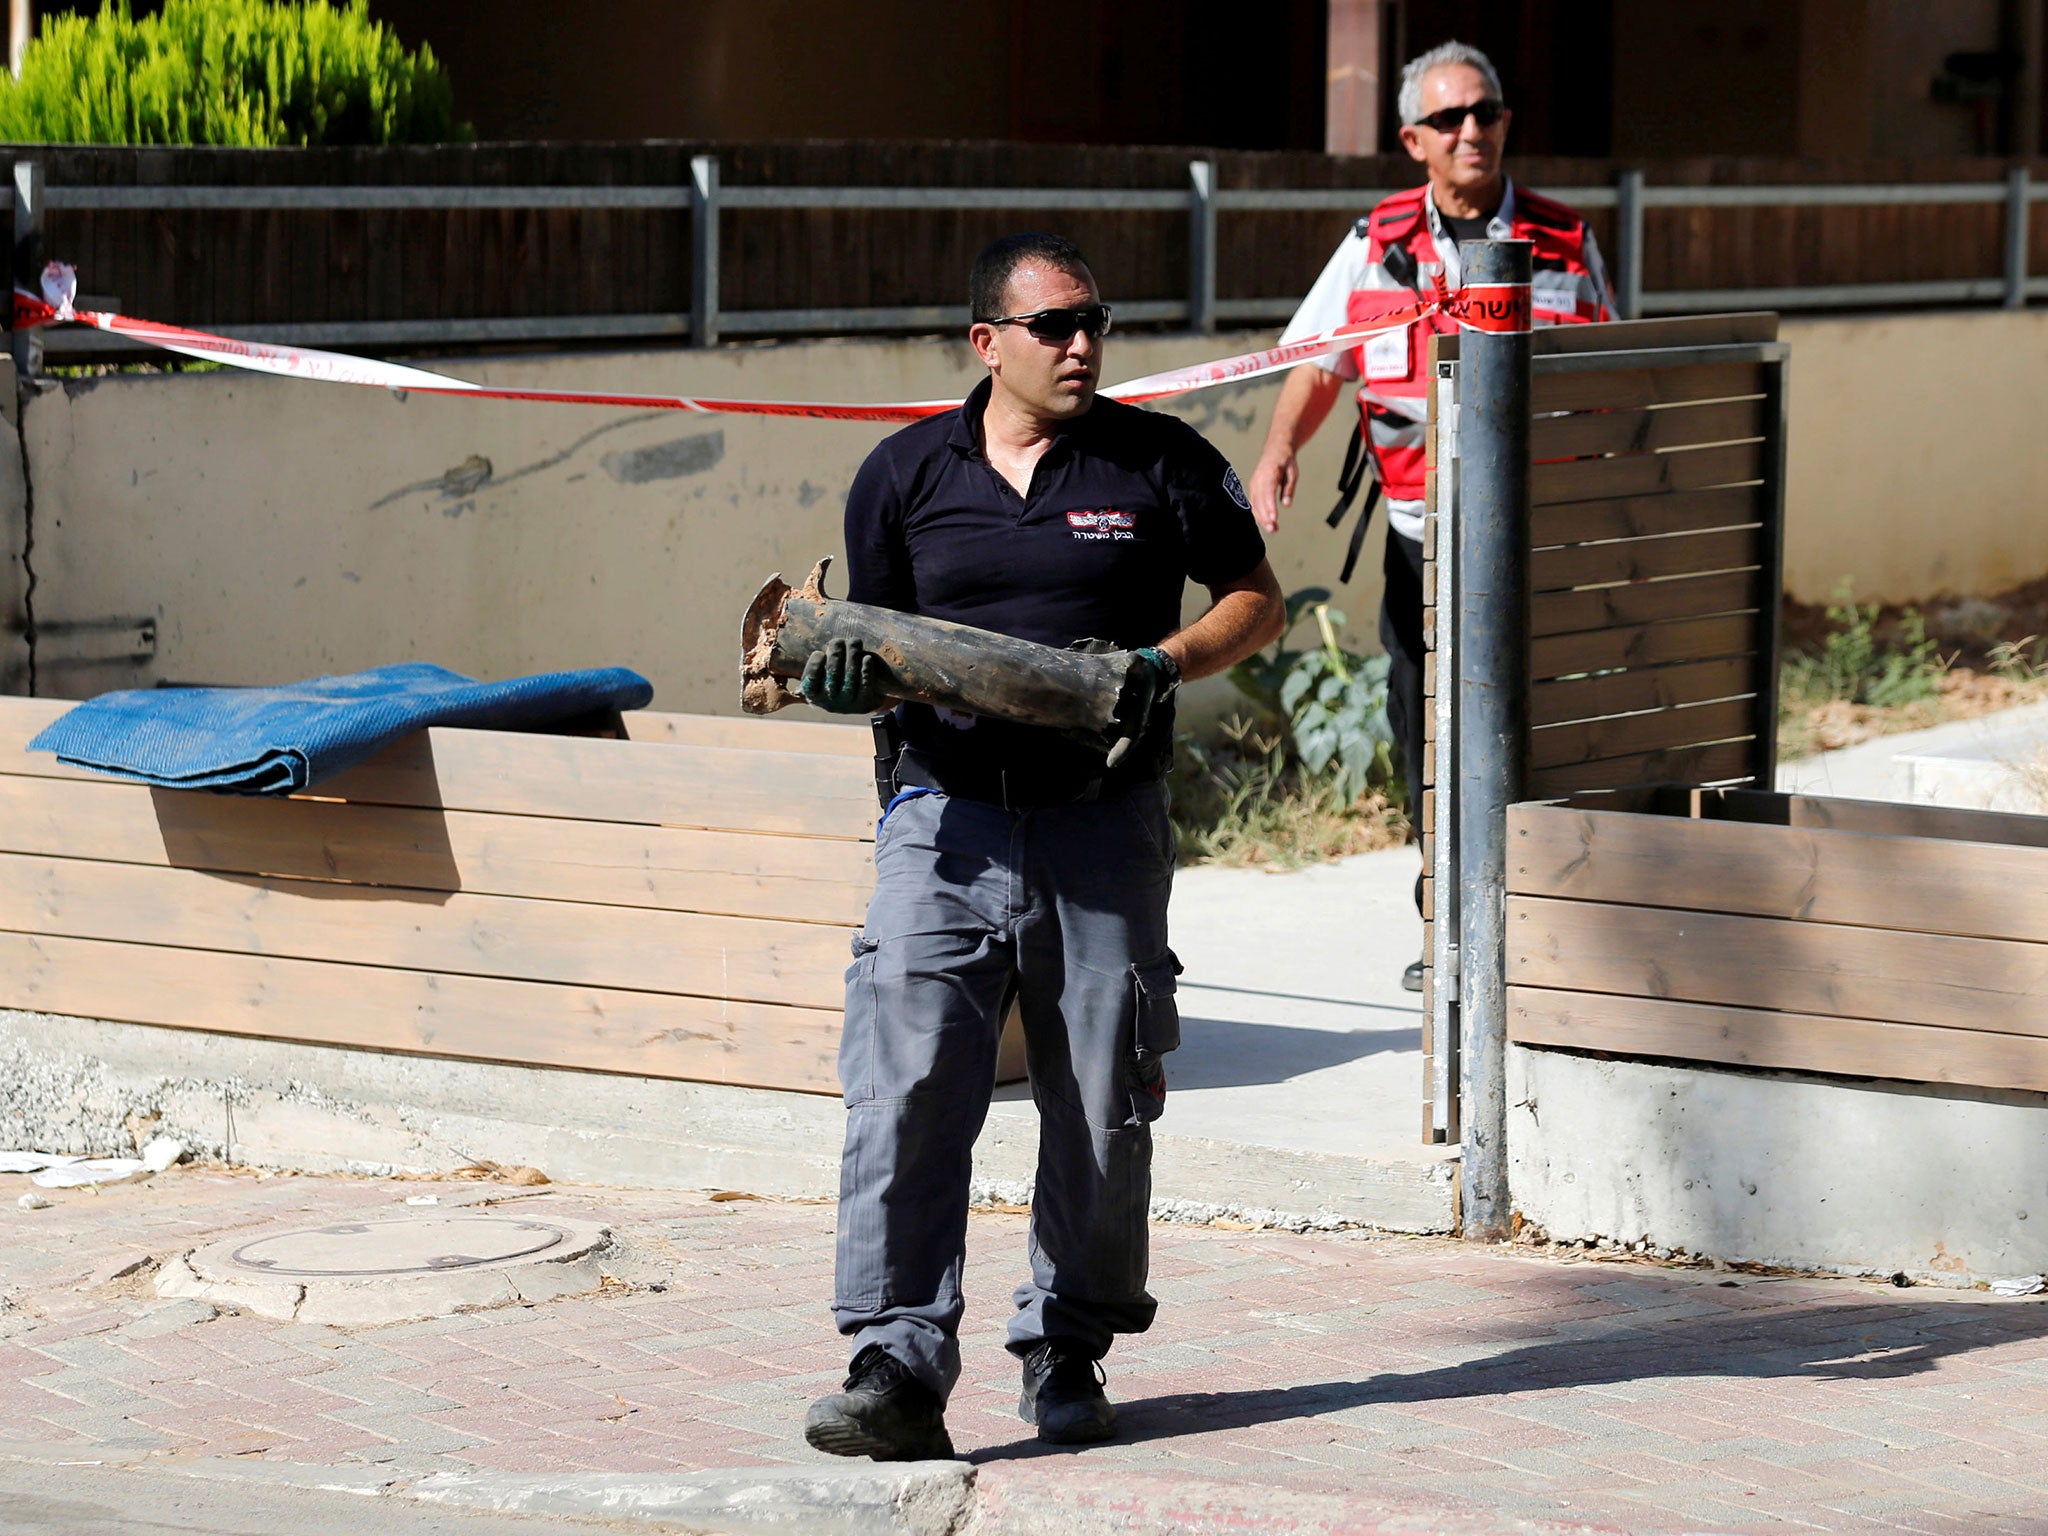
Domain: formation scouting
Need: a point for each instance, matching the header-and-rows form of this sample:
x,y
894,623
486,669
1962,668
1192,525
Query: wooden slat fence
x,y
632,266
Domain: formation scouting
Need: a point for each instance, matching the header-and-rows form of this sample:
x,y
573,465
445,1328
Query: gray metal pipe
x,y
1492,658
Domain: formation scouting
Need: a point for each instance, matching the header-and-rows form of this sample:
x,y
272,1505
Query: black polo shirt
x,y
1125,508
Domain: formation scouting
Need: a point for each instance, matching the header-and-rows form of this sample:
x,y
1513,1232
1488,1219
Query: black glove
x,y
1153,677
845,679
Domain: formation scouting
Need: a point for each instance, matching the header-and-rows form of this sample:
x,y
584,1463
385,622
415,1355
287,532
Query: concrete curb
x,y
1037,1499
924,1498
1045,1496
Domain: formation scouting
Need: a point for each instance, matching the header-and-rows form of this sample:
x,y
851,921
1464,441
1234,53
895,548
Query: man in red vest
x,y
1455,124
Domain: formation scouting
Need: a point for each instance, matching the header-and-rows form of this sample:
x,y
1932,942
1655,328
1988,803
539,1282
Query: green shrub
x,y
243,73
1333,702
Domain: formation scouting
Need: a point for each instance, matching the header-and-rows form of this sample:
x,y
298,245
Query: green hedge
x,y
246,73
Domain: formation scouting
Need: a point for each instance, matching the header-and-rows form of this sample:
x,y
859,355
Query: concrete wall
x,y
279,529
1918,463
1948,1185
282,529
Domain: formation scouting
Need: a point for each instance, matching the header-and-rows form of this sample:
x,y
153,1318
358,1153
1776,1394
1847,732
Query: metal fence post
x,y
1201,245
1628,240
28,259
2018,215
1492,530
704,250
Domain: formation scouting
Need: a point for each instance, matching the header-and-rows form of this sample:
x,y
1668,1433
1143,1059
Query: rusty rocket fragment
x,y
952,665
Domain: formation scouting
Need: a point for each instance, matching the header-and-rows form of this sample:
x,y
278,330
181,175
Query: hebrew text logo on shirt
x,y
1108,523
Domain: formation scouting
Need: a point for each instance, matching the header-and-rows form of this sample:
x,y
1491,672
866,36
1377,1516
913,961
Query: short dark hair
x,y
994,267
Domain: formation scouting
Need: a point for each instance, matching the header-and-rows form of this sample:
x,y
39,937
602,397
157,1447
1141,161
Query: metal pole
x,y
1443,1085
1628,238
1492,530
28,259
704,251
1201,245
2018,214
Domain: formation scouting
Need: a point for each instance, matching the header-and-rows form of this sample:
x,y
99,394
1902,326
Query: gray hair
x,y
1410,99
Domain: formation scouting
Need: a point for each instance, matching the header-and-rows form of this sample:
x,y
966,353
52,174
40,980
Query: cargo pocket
x,y
1156,1031
857,1029
863,949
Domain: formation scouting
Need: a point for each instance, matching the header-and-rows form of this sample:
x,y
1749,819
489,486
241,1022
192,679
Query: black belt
x,y
1000,786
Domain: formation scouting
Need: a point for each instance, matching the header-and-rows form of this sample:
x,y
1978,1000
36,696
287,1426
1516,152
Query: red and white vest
x,y
1568,286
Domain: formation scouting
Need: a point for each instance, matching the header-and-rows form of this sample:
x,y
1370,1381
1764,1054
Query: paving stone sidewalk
x,y
1412,1372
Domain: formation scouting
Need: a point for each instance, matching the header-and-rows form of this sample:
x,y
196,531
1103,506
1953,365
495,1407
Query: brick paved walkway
x,y
1410,1371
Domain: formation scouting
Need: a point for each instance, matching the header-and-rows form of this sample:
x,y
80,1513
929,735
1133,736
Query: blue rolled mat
x,y
275,741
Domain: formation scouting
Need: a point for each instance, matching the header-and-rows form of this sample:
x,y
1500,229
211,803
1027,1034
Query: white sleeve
x,y
1328,303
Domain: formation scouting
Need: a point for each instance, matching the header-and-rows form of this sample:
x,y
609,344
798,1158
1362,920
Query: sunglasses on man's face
x,y
1060,324
1485,112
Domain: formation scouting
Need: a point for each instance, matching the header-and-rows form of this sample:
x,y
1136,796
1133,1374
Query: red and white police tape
x,y
1494,310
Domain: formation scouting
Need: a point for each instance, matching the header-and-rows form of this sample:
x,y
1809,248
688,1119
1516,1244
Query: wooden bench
x,y
678,904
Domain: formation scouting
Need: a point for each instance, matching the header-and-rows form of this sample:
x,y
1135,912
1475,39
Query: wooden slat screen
x,y
1651,544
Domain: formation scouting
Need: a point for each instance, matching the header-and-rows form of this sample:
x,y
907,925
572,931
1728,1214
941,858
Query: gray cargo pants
x,y
1064,908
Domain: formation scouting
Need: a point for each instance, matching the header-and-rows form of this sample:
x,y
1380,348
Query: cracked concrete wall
x,y
279,529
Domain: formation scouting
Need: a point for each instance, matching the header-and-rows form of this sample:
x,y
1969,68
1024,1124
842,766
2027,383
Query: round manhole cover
x,y
428,1245
363,1272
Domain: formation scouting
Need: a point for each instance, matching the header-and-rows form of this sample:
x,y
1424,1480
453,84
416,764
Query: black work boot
x,y
884,1412
1063,1395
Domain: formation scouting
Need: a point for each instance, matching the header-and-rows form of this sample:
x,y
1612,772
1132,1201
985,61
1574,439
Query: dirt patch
x,y
1963,694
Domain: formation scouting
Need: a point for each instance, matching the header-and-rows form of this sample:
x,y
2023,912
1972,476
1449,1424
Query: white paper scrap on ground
x,y
159,1154
31,1162
2020,1285
33,1202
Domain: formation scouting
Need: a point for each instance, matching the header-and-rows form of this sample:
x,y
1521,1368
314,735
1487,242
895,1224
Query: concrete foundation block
x,y
1947,1185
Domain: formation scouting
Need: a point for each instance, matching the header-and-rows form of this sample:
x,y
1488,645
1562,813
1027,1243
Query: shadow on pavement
x,y
1225,1053
1230,1053
1818,1342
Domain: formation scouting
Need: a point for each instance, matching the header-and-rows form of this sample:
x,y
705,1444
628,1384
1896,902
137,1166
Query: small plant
x,y
1239,800
2022,662
243,73
1853,667
1332,702
1312,776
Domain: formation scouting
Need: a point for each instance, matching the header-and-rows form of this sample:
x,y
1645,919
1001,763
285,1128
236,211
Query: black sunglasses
x,y
1487,111
1060,324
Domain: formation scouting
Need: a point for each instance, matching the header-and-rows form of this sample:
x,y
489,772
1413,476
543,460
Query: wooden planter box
x,y
678,904
1764,930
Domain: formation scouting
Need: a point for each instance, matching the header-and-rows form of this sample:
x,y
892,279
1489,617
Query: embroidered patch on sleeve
x,y
1235,487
